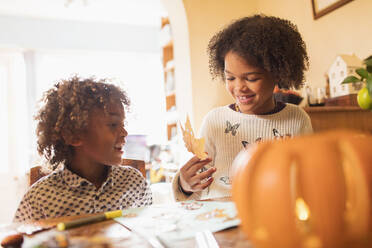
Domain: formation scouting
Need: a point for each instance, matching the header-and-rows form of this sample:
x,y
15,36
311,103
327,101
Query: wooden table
x,y
116,235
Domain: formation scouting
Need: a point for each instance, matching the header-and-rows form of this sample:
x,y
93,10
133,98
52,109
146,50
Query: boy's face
x,y
104,138
250,86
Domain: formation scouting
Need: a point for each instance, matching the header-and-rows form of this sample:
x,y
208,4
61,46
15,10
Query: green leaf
x,y
369,85
368,61
351,79
369,68
362,72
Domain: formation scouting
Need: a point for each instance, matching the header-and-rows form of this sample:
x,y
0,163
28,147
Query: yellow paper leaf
x,y
198,148
194,145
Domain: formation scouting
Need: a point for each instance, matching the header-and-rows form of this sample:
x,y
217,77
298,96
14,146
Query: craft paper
x,y
180,220
194,145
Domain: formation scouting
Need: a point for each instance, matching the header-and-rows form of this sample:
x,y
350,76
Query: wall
x,y
345,30
204,19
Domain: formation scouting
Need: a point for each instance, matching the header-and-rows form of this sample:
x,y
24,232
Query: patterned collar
x,y
74,181
278,107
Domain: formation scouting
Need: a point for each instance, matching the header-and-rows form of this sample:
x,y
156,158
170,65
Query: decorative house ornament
x,y
342,67
312,191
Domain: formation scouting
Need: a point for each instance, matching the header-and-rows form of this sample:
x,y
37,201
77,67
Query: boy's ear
x,y
70,139
76,142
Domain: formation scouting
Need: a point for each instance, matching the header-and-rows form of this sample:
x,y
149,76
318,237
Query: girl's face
x,y
103,141
250,86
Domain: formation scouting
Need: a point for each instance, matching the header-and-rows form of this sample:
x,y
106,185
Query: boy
x,y
81,133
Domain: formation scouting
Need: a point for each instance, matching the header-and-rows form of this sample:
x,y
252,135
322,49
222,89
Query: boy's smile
x,y
104,138
250,86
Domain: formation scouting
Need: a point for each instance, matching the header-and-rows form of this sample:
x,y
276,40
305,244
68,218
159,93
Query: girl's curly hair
x,y
66,111
270,43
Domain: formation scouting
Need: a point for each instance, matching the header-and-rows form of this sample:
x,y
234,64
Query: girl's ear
x,y
70,139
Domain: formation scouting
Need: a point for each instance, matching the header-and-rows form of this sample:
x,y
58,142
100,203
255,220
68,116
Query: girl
x,y
252,56
81,127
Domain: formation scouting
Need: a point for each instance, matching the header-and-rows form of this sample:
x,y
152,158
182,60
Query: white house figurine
x,y
342,67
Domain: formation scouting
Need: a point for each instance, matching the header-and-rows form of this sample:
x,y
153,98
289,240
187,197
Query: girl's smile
x,y
245,99
250,86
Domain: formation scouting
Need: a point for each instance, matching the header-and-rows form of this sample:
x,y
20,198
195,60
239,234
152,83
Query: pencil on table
x,y
89,220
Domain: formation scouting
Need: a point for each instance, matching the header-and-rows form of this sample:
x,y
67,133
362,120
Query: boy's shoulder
x,y
45,183
125,171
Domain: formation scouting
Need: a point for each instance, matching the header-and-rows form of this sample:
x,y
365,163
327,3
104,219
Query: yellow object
x,y
113,214
61,226
364,99
302,210
89,220
156,175
196,146
61,240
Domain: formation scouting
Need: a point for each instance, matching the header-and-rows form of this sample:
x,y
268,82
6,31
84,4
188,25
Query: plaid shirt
x,y
63,193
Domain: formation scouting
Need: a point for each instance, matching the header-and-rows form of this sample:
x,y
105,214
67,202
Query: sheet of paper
x,y
180,220
194,145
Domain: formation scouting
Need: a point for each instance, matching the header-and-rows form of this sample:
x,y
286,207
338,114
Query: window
x,y
140,74
3,118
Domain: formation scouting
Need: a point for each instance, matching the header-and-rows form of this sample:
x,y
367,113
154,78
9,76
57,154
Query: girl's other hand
x,y
190,180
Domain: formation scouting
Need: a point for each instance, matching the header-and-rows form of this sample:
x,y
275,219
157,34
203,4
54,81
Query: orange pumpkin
x,y
307,192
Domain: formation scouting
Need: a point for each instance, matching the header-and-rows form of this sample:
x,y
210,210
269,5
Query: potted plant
x,y
365,75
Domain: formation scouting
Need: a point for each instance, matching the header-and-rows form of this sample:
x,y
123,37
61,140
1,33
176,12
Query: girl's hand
x,y
190,181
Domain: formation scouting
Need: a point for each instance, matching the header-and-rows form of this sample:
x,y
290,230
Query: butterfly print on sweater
x,y
246,143
226,180
231,128
278,135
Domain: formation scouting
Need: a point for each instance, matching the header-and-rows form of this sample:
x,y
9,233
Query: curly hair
x,y
267,42
65,114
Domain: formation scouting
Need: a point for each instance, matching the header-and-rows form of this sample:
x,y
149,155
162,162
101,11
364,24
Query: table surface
x,y
113,234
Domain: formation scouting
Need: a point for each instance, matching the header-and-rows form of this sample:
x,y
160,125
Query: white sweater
x,y
227,132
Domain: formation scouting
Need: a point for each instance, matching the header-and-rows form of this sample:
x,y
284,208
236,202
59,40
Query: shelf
x,y
337,117
164,21
167,55
169,70
171,94
171,129
170,101
168,45
169,66
335,109
171,117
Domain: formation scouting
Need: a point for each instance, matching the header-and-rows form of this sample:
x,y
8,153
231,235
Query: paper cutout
x,y
193,205
193,145
215,213
175,222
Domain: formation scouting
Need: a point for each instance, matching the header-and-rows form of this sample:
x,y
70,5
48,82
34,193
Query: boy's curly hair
x,y
270,43
66,111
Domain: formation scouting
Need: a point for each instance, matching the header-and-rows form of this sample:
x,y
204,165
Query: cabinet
x,y
169,79
350,117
